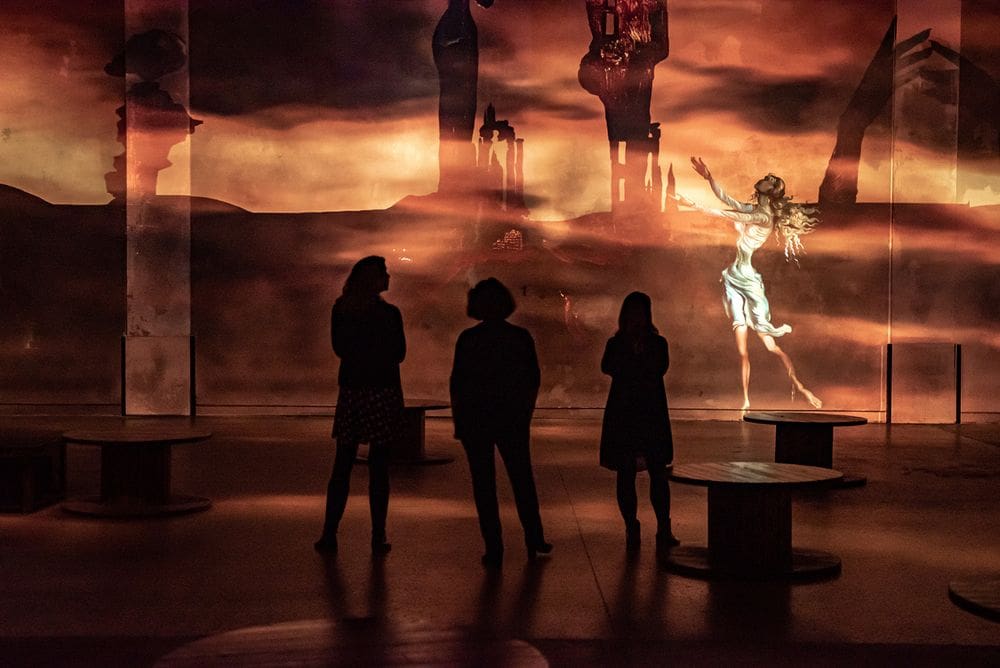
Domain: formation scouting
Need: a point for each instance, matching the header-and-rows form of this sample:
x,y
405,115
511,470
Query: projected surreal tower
x,y
456,56
500,159
890,68
629,37
487,174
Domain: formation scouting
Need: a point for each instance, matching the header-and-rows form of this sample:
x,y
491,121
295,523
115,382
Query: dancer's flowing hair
x,y
791,219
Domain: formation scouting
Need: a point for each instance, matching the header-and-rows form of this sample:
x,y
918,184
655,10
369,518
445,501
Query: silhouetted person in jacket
x,y
494,384
367,336
636,429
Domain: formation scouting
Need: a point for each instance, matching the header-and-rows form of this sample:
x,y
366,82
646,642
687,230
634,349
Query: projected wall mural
x,y
547,143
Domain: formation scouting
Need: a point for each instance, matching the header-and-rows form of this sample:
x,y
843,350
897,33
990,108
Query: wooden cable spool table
x,y
352,642
750,522
32,469
410,449
135,469
979,595
807,438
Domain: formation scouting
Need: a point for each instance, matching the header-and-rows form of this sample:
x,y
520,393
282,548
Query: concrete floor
x,y
77,591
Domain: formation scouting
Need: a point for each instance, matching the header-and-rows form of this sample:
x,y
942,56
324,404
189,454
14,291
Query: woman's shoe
x,y
665,541
326,545
492,559
380,546
539,548
633,536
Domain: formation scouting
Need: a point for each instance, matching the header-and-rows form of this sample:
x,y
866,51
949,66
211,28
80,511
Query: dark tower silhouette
x,y
456,56
978,125
886,71
629,37
502,186
149,111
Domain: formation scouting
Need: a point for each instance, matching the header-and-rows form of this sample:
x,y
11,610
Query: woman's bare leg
x,y
773,347
741,348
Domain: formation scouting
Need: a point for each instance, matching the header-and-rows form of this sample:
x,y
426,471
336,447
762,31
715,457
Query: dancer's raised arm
x,y
755,217
699,166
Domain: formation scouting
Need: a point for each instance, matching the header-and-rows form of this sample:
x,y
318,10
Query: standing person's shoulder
x,y
521,332
391,309
466,334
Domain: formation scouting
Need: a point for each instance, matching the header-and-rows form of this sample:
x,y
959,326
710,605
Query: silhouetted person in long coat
x,y
636,429
367,335
494,385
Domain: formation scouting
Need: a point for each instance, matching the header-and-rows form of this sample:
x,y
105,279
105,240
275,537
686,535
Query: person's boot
x,y
665,540
327,544
380,546
539,548
493,559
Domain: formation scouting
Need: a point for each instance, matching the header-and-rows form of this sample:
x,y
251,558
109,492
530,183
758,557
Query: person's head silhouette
x,y
490,300
368,278
636,316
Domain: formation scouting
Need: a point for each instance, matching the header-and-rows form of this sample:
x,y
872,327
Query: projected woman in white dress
x,y
744,297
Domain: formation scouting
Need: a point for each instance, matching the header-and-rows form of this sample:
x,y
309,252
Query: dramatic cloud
x,y
57,112
516,99
247,56
780,104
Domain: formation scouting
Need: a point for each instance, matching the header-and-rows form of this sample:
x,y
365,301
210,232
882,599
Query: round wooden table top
x,y
138,433
978,595
354,642
794,417
751,473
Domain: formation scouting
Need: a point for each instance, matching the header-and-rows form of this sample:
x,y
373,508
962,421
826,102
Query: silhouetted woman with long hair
x,y
367,336
494,385
636,429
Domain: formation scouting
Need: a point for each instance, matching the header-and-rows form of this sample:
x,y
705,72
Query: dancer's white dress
x,y
743,287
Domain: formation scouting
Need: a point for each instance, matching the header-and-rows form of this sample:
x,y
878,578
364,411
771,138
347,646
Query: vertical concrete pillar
x,y
157,350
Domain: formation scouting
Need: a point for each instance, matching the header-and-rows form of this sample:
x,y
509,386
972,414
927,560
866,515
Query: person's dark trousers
x,y
659,494
517,460
339,487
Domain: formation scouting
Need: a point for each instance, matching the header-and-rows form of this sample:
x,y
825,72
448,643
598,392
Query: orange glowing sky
x,y
752,86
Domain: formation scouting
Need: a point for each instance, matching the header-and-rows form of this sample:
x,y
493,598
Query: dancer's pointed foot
x,y
813,400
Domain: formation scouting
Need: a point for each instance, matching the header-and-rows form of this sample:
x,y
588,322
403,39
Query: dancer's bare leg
x,y
773,347
741,347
